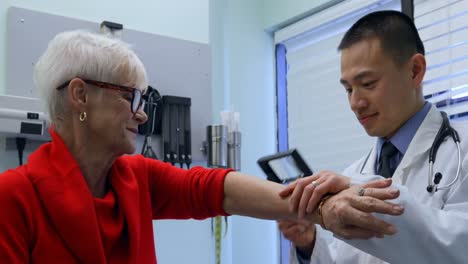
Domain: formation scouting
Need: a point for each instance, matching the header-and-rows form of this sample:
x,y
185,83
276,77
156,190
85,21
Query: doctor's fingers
x,y
338,213
292,231
303,188
382,183
289,223
367,221
327,182
288,190
352,232
311,196
374,205
381,194
333,183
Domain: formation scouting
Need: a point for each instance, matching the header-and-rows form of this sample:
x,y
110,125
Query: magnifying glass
x,y
284,167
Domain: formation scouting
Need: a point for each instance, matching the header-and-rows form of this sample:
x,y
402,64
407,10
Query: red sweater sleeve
x,y
15,225
181,194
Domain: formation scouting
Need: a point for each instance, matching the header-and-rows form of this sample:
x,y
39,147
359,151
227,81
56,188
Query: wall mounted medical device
x,y
22,118
111,29
175,130
168,117
152,110
217,146
223,142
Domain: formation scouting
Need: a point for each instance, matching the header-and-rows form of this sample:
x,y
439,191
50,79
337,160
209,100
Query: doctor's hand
x,y
348,214
301,234
306,192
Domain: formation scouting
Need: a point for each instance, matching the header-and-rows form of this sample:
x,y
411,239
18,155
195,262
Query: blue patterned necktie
x,y
387,153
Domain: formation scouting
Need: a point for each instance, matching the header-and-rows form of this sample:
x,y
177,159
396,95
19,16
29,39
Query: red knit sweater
x,y
47,213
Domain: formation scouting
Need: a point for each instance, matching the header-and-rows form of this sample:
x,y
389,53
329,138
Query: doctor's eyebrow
x,y
344,82
358,76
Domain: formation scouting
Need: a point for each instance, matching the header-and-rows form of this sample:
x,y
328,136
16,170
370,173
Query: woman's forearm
x,y
250,196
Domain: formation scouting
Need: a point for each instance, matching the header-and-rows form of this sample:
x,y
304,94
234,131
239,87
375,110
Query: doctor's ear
x,y
418,69
78,93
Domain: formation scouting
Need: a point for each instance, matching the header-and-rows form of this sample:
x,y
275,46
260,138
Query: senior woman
x,y
79,198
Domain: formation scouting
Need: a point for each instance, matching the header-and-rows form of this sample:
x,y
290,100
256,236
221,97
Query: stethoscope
x,y
445,130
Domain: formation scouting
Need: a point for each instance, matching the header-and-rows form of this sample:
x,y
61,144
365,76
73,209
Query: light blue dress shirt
x,y
403,137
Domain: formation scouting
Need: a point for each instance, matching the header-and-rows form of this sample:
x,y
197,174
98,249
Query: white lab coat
x,y
433,228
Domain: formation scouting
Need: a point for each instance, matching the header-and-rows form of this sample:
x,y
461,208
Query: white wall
x,y
243,76
280,12
3,12
252,92
183,19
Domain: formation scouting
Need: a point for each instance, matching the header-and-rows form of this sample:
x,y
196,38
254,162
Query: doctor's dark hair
x,y
397,33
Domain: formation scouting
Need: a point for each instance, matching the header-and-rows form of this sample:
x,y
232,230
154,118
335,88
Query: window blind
x,y
443,27
320,122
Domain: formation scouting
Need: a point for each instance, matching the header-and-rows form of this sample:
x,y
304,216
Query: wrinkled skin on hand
x,y
346,213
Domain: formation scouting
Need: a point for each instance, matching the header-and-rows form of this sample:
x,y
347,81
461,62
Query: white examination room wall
x,y
278,13
243,77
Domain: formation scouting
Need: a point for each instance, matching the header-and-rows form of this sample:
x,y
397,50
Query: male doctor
x,y
382,69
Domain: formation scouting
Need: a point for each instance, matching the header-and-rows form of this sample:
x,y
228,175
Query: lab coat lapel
x,y
67,200
125,185
420,145
369,165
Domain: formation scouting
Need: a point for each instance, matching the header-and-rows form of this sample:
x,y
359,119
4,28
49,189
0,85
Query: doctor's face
x,y
381,93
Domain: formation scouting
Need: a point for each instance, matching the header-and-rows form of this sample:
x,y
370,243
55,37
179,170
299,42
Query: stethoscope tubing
x,y
434,187
448,186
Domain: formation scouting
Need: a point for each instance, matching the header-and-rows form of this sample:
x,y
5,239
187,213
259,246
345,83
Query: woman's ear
x,y
78,94
418,69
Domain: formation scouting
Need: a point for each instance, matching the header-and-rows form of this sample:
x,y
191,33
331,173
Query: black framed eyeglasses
x,y
137,98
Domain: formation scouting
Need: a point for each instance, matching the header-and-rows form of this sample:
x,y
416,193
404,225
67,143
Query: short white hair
x,y
85,55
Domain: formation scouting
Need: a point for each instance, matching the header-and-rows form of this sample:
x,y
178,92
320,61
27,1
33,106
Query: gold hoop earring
x,y
83,116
